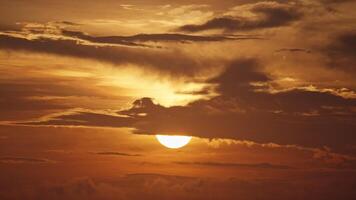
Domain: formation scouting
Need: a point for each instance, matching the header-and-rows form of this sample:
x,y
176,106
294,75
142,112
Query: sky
x,y
266,90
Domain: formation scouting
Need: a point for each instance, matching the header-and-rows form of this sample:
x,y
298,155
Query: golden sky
x,y
266,90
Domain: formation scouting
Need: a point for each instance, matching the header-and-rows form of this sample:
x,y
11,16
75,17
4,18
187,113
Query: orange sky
x,y
266,89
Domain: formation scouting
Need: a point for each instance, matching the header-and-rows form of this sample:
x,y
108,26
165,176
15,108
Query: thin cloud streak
x,y
237,165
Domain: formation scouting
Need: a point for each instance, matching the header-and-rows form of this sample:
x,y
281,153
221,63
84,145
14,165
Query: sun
x,y
173,141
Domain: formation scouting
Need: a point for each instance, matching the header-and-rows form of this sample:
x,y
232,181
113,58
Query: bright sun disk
x,y
173,141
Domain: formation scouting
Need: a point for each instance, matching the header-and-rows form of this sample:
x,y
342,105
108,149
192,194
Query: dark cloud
x,y
114,153
344,44
19,160
224,118
69,23
237,83
270,15
109,39
163,37
341,51
237,165
334,1
169,61
293,50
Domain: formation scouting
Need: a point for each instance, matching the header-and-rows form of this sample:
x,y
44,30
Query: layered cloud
x,y
116,55
142,50
246,98
164,37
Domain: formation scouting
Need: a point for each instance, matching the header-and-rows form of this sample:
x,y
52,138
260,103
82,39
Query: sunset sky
x,y
265,89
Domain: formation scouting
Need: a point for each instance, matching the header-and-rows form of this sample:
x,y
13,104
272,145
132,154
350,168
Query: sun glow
x,y
173,141
135,82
